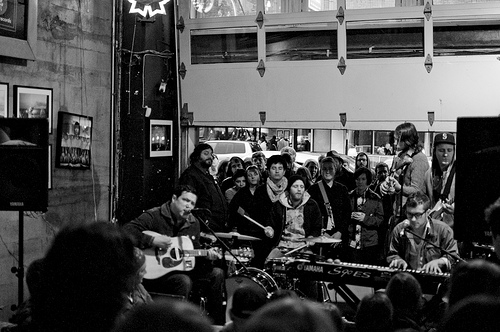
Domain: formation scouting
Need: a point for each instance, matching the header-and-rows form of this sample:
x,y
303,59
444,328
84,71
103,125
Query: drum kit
x,y
274,276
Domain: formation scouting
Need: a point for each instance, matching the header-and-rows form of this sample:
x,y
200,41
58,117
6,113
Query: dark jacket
x,y
159,220
247,201
340,203
209,196
374,215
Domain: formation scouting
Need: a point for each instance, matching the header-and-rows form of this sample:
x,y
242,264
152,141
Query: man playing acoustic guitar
x,y
170,237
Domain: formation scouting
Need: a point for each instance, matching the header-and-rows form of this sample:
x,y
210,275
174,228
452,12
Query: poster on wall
x,y
33,102
74,141
4,100
8,15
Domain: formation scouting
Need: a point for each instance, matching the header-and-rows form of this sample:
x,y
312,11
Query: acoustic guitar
x,y
180,256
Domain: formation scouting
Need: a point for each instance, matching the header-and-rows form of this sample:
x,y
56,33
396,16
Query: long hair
x,y
407,133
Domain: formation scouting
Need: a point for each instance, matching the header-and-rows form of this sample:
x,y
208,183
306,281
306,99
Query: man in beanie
x,y
209,194
440,179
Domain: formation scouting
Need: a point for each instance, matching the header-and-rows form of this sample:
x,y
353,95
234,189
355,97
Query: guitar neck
x,y
195,252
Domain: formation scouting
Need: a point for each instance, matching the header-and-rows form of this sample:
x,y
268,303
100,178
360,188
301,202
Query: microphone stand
x,y
452,255
224,245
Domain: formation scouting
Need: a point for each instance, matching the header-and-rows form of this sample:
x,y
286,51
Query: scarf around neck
x,y
274,190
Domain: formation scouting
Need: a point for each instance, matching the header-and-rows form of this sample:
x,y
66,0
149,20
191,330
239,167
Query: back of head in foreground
x,y
165,315
291,315
476,313
405,294
374,313
86,273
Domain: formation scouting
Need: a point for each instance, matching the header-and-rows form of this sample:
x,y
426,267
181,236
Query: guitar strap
x,y
330,223
447,188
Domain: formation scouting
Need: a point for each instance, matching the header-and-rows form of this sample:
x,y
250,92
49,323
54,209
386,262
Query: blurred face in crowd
x,y
313,169
260,163
382,173
276,172
240,182
181,206
206,158
235,165
361,182
328,171
444,154
253,177
362,161
297,190
141,273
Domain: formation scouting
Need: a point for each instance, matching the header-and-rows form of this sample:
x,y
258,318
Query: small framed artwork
x,y
4,100
160,138
279,133
33,102
49,185
286,133
74,141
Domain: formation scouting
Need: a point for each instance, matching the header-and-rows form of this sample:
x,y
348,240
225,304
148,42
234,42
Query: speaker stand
x,y
19,270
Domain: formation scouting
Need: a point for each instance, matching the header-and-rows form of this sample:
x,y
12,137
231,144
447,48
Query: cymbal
x,y
322,239
234,235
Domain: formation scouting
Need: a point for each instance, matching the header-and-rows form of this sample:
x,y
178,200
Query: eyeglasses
x,y
416,215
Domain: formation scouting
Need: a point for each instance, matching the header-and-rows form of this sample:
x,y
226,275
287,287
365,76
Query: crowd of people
x,y
100,277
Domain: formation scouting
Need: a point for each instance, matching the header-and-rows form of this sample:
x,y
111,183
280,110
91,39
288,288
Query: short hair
x,y
366,171
178,190
492,217
473,278
240,173
418,198
246,300
276,159
374,313
475,313
193,157
259,154
381,165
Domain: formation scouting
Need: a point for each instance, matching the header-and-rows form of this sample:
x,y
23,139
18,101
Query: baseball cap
x,y
444,138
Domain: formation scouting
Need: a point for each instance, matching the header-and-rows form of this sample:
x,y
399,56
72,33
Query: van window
x,y
229,147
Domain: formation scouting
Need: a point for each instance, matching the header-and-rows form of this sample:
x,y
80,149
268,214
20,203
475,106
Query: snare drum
x,y
277,267
252,277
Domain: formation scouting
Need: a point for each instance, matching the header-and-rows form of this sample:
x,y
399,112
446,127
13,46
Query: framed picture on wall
x,y
33,102
286,133
279,133
160,138
74,141
4,100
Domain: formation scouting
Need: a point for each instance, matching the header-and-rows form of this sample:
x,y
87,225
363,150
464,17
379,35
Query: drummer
x,y
294,217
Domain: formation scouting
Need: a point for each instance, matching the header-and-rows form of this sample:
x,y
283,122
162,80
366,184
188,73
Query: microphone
x,y
201,210
406,224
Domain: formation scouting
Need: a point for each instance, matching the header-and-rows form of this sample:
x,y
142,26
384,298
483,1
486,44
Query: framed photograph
x,y
18,29
286,133
74,141
49,186
4,100
32,102
160,138
279,133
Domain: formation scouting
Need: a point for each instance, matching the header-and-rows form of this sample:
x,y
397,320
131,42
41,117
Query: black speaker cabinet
x,y
477,179
23,164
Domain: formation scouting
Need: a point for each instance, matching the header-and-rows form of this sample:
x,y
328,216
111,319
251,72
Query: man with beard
x,y
168,223
209,194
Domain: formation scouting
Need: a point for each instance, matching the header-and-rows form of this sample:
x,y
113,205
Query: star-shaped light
x,y
147,9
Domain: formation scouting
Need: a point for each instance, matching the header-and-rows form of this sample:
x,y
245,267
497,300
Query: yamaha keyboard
x,y
355,274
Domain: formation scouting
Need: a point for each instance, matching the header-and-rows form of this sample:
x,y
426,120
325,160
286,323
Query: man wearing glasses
x,y
408,250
